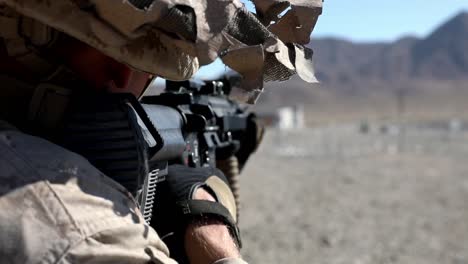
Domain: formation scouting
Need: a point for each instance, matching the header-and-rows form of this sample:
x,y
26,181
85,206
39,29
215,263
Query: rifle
x,y
133,142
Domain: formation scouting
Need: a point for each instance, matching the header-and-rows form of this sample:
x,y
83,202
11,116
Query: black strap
x,y
196,208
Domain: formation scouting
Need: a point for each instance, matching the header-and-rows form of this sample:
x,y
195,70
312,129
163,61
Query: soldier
x,y
58,208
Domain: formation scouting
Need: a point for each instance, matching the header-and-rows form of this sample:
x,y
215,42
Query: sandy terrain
x,y
333,195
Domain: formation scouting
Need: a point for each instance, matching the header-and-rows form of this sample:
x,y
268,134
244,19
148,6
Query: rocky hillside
x,y
441,55
429,74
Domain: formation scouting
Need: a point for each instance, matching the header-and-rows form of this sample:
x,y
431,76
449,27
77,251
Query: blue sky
x,y
384,20
374,20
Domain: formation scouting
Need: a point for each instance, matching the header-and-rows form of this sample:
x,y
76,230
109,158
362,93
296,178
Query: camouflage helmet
x,y
173,38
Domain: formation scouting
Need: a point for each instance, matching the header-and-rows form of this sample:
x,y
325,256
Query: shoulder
x,y
56,206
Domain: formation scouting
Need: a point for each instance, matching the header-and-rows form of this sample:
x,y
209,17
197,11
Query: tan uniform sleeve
x,y
57,208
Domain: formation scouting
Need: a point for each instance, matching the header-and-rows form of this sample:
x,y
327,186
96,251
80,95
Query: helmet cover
x,y
173,38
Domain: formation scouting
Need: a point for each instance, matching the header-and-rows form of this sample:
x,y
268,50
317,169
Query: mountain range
x,y
435,65
442,55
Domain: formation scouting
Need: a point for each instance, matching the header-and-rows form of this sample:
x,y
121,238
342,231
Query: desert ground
x,y
332,194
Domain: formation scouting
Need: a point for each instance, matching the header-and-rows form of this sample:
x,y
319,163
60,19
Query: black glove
x,y
175,207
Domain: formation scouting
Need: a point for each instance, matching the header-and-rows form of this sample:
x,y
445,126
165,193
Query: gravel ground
x,y
333,195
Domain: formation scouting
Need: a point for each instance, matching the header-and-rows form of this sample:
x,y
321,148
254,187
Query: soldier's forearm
x,y
208,240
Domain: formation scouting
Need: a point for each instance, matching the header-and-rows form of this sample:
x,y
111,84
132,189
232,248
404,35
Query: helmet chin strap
x,y
11,67
37,107
25,101
36,85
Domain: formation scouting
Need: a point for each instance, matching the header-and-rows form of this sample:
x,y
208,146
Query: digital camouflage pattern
x,y
57,208
173,38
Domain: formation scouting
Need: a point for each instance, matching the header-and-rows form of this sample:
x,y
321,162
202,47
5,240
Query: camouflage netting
x,y
173,38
